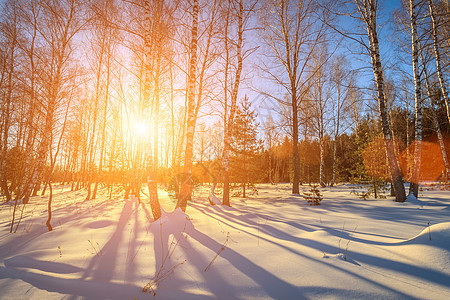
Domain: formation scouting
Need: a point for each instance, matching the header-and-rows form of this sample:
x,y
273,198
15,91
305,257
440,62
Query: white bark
x,y
438,58
368,10
414,187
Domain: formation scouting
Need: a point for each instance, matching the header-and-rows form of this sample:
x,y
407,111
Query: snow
x,y
213,198
273,246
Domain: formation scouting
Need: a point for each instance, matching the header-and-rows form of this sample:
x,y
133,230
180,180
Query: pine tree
x,y
245,145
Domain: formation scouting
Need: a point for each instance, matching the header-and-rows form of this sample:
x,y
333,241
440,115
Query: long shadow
x,y
102,266
167,237
134,247
216,283
88,289
408,269
272,285
23,261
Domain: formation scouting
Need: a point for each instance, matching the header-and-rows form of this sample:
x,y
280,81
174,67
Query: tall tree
x,y
341,77
292,32
368,15
229,117
414,187
186,187
320,97
437,54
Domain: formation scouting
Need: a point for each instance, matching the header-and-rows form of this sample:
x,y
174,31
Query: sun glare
x,y
140,128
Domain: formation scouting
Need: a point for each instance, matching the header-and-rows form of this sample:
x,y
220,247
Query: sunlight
x,y
140,128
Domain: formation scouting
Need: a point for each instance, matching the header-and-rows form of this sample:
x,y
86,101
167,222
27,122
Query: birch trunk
x,y
6,117
152,183
103,129
234,94
414,185
438,58
436,122
322,159
368,12
186,186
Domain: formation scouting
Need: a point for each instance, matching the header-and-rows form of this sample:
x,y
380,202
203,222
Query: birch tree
x,y
62,23
320,97
342,78
367,9
229,116
437,54
414,186
10,35
186,188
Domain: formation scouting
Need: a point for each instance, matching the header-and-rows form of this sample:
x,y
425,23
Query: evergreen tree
x,y
245,147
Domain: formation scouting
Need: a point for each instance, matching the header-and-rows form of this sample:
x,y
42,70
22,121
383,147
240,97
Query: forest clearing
x,y
224,149
271,246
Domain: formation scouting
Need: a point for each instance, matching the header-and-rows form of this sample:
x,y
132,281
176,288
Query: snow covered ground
x,y
271,246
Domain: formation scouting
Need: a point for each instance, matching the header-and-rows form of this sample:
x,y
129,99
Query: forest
x,y
224,149
117,95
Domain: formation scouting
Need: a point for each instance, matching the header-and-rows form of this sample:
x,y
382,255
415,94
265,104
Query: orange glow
x,y
140,128
432,164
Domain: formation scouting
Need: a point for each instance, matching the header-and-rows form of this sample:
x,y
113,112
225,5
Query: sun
x,y
139,128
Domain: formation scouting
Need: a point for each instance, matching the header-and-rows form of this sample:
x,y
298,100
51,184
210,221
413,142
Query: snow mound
x,y
428,254
413,200
172,222
437,235
213,200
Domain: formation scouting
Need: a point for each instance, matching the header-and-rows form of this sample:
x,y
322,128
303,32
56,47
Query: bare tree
x,y
229,116
292,33
437,54
10,33
367,11
186,187
62,23
341,78
320,97
414,186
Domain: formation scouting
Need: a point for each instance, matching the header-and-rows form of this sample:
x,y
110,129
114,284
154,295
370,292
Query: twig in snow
x,y
97,252
429,231
161,275
152,285
218,252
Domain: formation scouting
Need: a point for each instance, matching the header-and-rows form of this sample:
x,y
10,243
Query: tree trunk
x,y
152,178
414,185
438,58
333,179
436,121
296,158
186,187
322,161
234,94
49,207
369,15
